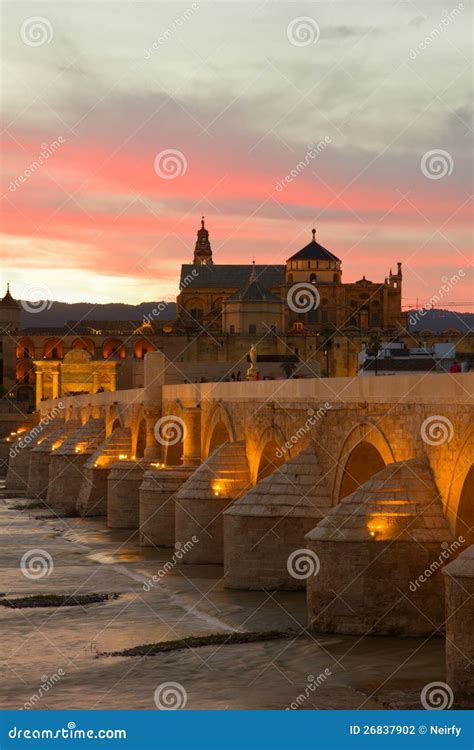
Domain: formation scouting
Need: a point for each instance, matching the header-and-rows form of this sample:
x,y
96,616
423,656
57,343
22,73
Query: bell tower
x,y
202,250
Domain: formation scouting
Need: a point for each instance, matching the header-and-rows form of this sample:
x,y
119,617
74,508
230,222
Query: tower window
x,y
252,329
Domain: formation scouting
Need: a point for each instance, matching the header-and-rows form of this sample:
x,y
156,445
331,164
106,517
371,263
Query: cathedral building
x,y
300,315
304,295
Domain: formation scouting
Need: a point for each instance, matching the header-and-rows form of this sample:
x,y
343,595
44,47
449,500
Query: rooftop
x,y
313,251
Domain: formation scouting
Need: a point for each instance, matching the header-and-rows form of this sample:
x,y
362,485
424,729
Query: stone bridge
x,y
364,482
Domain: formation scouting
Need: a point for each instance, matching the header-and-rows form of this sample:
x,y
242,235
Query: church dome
x,y
313,251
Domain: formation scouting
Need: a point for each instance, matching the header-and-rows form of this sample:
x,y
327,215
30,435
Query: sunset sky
x,y
241,93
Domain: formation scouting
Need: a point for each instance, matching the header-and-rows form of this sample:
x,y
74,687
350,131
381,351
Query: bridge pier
x,y
203,498
123,487
66,467
92,494
19,462
157,505
38,477
267,524
373,551
459,580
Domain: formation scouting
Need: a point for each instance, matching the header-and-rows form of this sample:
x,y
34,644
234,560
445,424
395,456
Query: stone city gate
x,y
368,480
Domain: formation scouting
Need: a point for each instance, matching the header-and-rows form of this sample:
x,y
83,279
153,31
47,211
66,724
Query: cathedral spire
x,y
202,250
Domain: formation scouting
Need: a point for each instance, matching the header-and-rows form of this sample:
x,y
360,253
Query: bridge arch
x,y
365,451
113,419
460,503
219,429
271,453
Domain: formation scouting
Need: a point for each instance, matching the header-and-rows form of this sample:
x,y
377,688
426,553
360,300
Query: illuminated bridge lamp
x,y
217,489
376,527
56,445
123,457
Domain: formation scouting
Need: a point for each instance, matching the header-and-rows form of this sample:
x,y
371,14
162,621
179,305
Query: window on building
x,y
252,329
232,329
324,311
196,313
313,278
313,315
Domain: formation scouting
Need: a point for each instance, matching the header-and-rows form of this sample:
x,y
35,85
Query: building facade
x,y
301,316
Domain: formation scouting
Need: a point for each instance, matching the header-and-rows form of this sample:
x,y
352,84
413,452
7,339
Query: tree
x,y
288,367
327,334
374,344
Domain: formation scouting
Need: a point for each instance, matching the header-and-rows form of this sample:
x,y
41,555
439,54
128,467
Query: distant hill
x,y
439,321
433,320
60,312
